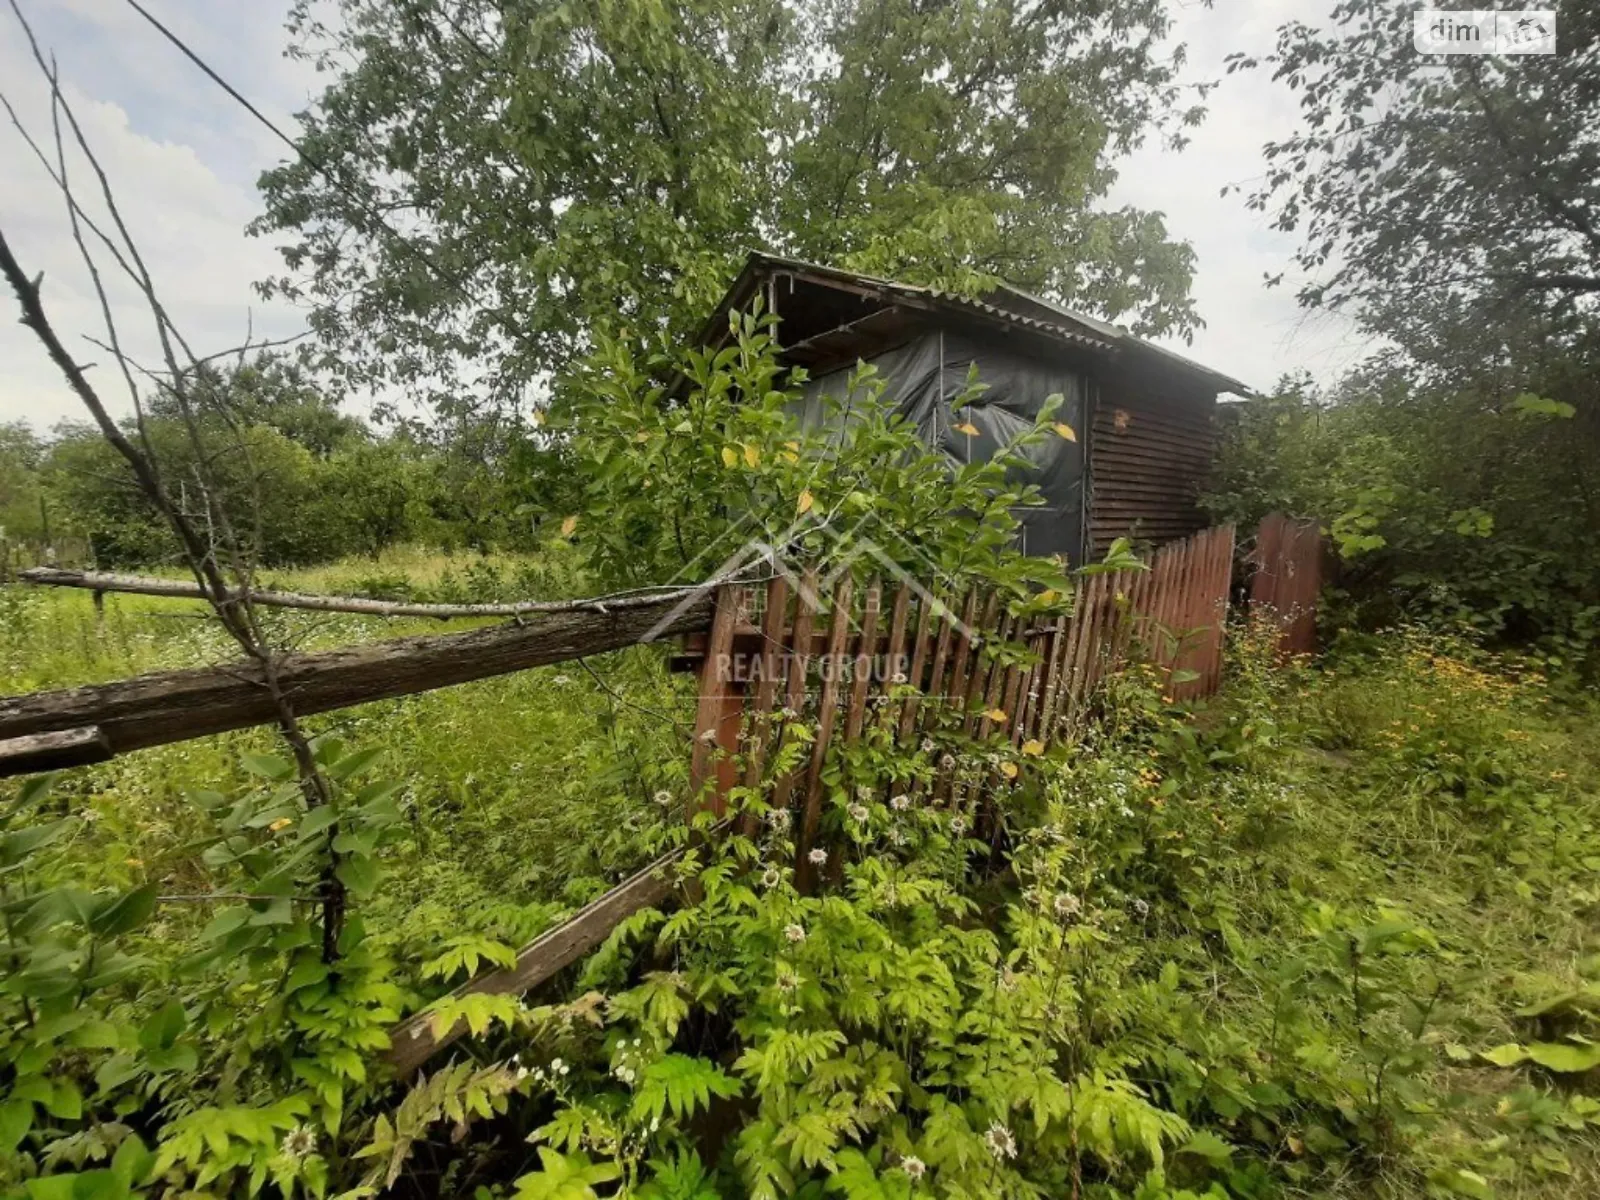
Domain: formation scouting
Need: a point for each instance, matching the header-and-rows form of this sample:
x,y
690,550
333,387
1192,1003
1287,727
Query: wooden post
x,y
827,715
862,667
794,694
717,719
919,663
763,720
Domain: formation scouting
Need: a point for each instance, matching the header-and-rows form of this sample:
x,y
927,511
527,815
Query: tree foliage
x,y
1441,504
1451,204
318,481
487,185
22,452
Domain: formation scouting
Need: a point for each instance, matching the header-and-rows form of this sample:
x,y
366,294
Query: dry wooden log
x,y
53,751
101,582
175,706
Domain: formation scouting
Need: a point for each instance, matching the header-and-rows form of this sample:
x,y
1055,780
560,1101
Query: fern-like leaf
x,y
682,1085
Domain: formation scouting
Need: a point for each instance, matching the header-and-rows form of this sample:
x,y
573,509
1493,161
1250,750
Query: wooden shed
x,y
1144,414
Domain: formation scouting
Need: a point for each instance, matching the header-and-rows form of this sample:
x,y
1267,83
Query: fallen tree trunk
x,y
179,589
174,706
53,751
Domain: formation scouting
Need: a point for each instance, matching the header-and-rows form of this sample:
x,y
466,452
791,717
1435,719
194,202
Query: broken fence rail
x,y
183,589
174,706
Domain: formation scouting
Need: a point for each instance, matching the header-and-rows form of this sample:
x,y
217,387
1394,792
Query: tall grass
x,y
529,788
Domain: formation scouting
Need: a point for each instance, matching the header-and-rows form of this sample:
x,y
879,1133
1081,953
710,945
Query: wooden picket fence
x,y
830,655
843,657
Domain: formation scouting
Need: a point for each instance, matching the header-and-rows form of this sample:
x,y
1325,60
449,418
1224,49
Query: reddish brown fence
x,y
846,659
1287,562
833,655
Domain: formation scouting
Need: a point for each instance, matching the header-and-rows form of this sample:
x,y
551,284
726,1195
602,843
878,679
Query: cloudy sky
x,y
183,158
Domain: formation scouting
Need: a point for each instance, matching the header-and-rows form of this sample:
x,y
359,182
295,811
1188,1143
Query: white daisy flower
x,y
817,856
794,933
300,1142
1000,1142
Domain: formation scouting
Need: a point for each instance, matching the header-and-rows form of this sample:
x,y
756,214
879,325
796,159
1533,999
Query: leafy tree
x,y
381,491
279,478
1448,204
1440,503
495,183
673,489
1451,204
477,458
21,453
279,393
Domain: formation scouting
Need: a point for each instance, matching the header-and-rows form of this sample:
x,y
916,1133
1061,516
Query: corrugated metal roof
x,y
1006,305
1118,335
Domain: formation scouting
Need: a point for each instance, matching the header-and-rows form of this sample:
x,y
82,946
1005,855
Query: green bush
x,y
1469,511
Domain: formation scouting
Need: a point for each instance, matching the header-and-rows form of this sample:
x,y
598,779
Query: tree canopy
x,y
1451,204
484,186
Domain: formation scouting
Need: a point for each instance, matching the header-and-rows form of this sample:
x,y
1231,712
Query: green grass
x,y
1403,781
1410,779
529,788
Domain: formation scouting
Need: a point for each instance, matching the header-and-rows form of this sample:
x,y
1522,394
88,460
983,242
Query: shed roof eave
x,y
1056,322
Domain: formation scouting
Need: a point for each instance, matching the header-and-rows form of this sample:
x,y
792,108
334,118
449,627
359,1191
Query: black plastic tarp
x,y
925,379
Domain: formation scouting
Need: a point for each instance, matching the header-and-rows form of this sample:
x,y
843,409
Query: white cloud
x,y
1252,332
182,159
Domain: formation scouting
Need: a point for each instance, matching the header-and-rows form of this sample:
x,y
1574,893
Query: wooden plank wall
x,y
1148,457
1287,562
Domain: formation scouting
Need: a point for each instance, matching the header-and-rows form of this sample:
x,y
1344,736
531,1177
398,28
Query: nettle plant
x,y
170,1040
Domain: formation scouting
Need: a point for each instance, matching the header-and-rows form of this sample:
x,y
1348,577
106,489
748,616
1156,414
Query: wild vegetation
x,y
326,484
1329,934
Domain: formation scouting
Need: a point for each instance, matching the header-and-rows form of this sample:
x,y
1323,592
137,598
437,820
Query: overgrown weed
x,y
1331,935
